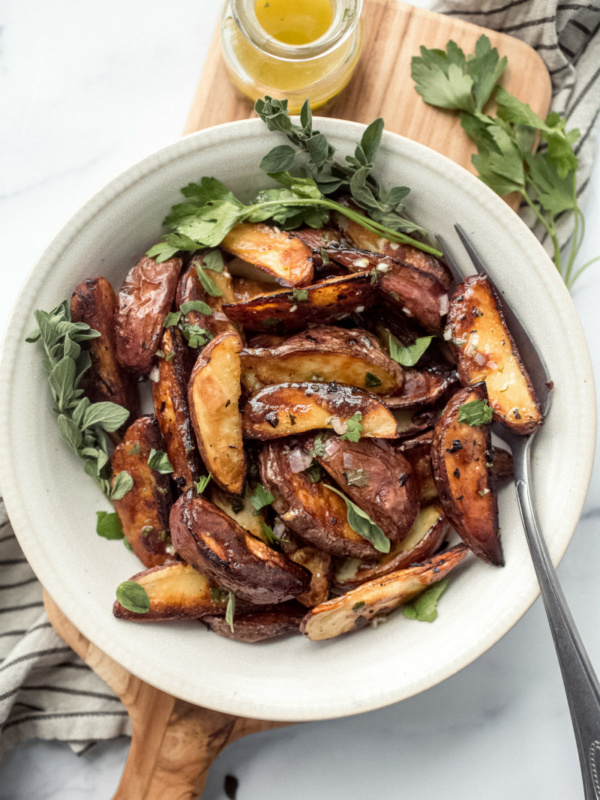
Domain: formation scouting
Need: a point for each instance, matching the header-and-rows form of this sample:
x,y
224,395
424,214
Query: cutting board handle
x,y
174,743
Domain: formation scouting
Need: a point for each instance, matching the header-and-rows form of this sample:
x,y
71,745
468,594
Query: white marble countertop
x,y
88,89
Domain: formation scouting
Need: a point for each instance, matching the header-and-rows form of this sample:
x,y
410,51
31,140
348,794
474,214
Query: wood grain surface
x,y
174,743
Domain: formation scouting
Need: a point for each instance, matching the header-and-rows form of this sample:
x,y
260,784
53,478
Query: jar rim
x,y
346,15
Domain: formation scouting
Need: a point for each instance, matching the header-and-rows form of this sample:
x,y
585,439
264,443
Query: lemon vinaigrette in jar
x,y
291,49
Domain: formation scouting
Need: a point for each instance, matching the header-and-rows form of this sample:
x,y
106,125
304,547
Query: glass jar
x,y
260,64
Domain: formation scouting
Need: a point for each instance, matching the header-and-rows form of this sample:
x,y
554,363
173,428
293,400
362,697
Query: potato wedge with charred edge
x,y
355,609
239,509
246,289
422,541
364,239
277,253
463,475
257,626
169,394
317,562
95,303
189,289
176,591
288,409
423,387
417,293
378,478
486,351
213,396
326,301
144,299
265,340
413,421
311,510
349,356
144,511
213,543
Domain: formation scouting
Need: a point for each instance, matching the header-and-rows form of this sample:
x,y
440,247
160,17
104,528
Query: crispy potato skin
x,y
423,387
423,540
212,542
246,289
289,409
278,253
349,356
327,300
459,458
476,319
417,293
144,511
257,626
413,421
311,510
317,562
213,396
144,300
364,239
355,609
189,289
95,303
169,395
391,496
176,591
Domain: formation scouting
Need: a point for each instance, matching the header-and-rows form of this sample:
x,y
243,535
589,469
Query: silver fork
x,y
580,681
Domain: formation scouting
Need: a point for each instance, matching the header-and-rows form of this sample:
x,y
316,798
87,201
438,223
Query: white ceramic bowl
x,y
52,504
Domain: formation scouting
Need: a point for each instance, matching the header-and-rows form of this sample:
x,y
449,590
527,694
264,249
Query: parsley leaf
x,y
133,597
354,429
300,294
230,611
108,525
408,356
371,380
424,607
209,286
203,483
319,444
122,484
172,318
158,460
363,524
475,413
261,497
196,305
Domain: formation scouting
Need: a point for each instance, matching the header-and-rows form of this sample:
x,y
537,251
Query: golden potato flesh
x,y
213,396
486,351
277,253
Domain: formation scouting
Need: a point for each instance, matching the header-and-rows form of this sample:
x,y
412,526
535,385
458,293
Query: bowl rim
x,y
16,499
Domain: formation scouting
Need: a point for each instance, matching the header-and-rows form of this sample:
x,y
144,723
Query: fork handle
x,y
581,684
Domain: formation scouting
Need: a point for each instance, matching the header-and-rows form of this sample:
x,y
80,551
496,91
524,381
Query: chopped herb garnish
x,y
267,532
196,305
318,448
371,380
408,356
357,477
362,524
475,413
108,525
209,286
122,483
213,259
324,256
133,597
300,294
219,595
203,483
159,461
354,429
261,497
194,335
314,472
171,319
359,605
135,449
424,607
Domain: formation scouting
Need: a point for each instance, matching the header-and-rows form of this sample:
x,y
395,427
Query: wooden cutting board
x,y
174,743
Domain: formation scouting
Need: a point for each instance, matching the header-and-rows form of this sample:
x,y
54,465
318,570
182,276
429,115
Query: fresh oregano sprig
x,y
82,424
546,179
314,155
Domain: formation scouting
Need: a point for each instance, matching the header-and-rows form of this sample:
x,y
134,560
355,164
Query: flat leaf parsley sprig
x,y
505,162
82,424
210,210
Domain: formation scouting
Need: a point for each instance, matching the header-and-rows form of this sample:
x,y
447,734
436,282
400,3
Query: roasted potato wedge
x,y
325,301
325,354
95,303
213,396
176,591
413,421
379,597
364,239
212,542
288,409
144,510
278,253
239,509
170,397
190,289
144,299
486,351
429,530
257,626
247,288
311,510
423,387
378,478
318,563
265,340
464,480
417,293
